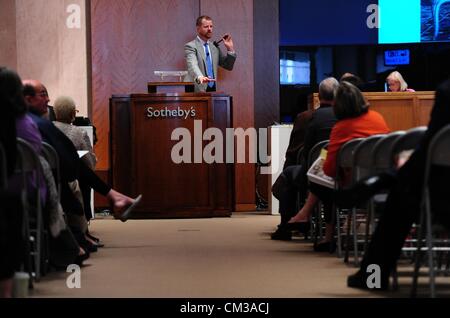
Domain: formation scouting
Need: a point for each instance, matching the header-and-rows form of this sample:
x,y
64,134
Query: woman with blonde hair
x,y
396,83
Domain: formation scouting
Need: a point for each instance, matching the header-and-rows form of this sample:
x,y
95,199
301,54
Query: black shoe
x,y
363,190
92,248
281,235
359,280
329,247
302,227
92,237
81,258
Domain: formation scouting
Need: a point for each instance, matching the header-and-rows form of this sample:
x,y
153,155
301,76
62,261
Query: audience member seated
x,y
353,79
68,250
396,83
65,112
403,204
11,241
355,120
293,178
72,167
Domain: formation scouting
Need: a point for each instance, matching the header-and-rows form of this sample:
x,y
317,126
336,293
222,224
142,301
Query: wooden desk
x,y
141,159
400,110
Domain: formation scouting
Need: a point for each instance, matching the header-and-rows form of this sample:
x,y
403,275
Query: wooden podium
x,y
141,128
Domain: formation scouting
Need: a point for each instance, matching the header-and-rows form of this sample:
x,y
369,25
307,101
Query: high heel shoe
x,y
125,215
302,227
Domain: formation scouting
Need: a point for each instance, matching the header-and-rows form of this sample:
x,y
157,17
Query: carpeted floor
x,y
203,258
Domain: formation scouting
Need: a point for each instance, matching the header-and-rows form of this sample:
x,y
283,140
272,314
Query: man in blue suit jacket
x,y
201,50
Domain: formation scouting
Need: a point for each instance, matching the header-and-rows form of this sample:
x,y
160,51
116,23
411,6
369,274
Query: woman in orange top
x,y
355,120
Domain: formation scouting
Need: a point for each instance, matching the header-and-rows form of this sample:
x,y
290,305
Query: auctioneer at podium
x,y
204,57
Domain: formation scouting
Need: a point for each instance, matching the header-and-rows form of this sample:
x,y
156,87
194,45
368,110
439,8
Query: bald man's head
x,y
36,96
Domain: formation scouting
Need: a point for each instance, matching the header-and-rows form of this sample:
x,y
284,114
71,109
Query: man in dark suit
x,y
404,200
203,57
51,113
293,178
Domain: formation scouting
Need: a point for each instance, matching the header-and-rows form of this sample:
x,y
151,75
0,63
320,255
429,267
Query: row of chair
x,y
374,155
28,169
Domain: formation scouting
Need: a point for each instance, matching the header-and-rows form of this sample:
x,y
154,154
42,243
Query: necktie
x,y
209,67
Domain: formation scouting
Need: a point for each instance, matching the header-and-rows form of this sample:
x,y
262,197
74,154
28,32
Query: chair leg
x,y
418,257
338,231
430,258
355,239
347,245
395,278
370,213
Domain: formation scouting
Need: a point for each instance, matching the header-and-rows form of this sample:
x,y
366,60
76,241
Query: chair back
x,y
382,150
299,155
52,158
28,163
409,141
362,157
314,153
345,158
438,154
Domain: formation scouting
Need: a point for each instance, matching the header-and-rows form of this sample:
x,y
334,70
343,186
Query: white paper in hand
x,y
316,174
81,153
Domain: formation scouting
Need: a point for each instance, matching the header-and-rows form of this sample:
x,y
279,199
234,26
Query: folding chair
x,y
52,158
408,141
380,162
28,164
344,162
438,154
362,167
316,220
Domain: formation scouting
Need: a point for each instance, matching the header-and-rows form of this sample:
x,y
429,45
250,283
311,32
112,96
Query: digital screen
x,y
294,72
342,22
396,57
413,21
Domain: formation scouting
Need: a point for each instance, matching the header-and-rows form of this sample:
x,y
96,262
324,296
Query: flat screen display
x,y
396,57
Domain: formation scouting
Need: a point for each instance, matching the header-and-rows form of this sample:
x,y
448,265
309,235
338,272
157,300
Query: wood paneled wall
x,y
266,62
133,38
130,40
52,52
8,47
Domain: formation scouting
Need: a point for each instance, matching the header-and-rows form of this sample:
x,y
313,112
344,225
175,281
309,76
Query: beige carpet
x,y
220,257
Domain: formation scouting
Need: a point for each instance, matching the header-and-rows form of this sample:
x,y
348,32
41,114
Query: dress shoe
x,y
329,247
281,234
81,258
92,237
359,280
298,226
363,190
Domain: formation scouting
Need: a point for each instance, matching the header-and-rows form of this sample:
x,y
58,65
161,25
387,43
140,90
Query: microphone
x,y
216,43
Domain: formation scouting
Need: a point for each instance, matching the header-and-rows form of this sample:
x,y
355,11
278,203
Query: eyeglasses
x,y
42,94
